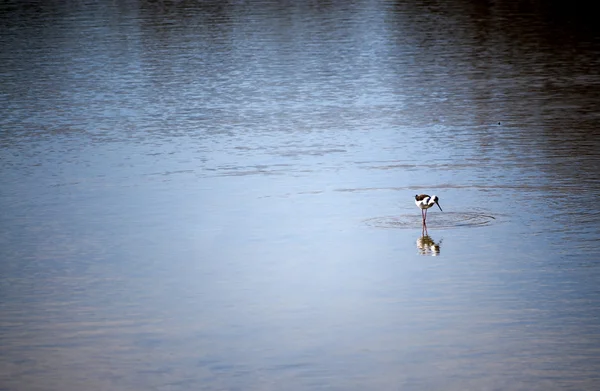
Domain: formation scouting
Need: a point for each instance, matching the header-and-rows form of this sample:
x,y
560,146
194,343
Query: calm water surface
x,y
220,196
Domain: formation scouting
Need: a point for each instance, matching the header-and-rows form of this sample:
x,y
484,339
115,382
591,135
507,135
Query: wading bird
x,y
425,202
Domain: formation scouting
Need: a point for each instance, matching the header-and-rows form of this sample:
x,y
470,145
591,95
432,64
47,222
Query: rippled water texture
x,y
446,220
220,195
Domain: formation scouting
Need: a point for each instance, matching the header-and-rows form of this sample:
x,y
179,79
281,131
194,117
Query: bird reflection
x,y
427,246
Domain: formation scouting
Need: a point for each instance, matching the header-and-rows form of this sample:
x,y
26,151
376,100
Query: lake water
x,y
220,196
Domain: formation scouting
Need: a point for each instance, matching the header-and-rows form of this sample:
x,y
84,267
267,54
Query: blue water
x,y
220,196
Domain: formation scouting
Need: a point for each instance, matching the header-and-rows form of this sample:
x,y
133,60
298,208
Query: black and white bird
x,y
425,202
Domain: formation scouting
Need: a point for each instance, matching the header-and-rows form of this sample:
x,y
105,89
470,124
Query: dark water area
x,y
220,195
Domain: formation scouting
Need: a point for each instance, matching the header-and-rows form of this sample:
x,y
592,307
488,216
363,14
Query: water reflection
x,y
428,246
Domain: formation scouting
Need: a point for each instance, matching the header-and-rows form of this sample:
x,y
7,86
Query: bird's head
x,y
436,199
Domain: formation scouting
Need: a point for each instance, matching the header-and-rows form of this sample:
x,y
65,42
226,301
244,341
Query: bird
x,y
425,202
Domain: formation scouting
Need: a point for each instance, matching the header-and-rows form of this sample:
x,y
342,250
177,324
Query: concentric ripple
x,y
438,220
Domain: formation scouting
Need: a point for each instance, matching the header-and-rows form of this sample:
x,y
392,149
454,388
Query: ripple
x,y
445,220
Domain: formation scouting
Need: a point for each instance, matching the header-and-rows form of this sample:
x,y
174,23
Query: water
x,y
221,196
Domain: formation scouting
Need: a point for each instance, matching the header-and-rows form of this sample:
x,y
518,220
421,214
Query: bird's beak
x,y
438,205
